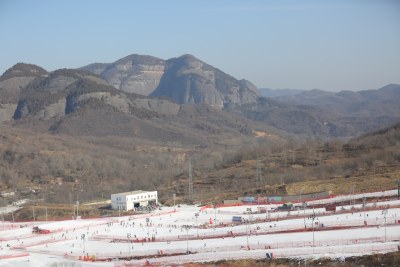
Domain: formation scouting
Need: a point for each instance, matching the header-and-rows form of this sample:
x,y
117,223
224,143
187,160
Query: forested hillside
x,y
61,168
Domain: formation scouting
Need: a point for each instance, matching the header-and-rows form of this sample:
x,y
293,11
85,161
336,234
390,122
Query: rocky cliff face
x,y
133,74
16,78
184,79
7,111
10,88
12,82
27,93
189,80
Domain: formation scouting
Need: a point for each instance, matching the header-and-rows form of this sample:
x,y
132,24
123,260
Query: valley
x,y
79,135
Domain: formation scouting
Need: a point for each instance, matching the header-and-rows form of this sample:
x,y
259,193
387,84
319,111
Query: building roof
x,y
133,192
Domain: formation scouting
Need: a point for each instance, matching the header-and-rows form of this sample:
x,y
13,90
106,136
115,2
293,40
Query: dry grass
x,y
344,185
388,259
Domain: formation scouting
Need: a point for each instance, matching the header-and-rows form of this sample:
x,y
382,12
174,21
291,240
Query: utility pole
x,y
304,207
247,233
385,211
398,188
77,180
77,201
352,200
258,175
313,218
215,214
128,235
148,227
301,195
33,213
187,240
77,208
46,213
187,227
197,225
285,154
190,181
364,204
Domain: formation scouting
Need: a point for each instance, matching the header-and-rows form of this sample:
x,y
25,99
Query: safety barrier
x,y
10,225
261,254
206,207
38,243
25,236
149,215
280,250
363,248
208,249
254,230
46,252
15,255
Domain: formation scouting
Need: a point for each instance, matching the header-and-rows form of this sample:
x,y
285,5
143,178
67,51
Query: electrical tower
x,y
190,181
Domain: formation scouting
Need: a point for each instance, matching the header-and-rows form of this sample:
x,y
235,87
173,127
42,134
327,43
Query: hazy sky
x,y
330,45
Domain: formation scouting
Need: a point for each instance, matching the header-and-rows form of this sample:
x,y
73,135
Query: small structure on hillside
x,y
135,199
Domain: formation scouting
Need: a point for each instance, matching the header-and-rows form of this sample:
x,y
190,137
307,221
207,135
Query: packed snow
x,y
180,234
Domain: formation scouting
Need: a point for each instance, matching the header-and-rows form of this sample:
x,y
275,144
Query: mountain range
x,y
273,93
184,79
134,123
339,114
136,94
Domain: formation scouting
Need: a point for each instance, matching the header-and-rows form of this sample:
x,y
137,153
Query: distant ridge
x,y
272,93
377,102
146,88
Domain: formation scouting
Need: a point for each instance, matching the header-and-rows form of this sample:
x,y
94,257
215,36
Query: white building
x,y
129,200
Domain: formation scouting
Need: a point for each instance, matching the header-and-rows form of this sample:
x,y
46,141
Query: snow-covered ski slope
x,y
175,235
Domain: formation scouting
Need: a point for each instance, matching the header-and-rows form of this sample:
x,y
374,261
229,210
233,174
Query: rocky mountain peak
x,y
139,59
188,58
190,80
23,70
185,79
133,74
